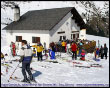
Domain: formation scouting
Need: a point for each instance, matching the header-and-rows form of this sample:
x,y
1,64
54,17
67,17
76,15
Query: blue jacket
x,y
97,52
51,54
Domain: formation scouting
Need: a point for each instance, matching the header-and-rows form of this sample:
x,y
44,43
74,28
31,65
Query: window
x,y
73,36
77,35
64,37
60,38
61,32
35,39
18,38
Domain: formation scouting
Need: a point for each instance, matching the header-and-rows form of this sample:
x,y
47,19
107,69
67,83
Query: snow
x,y
62,73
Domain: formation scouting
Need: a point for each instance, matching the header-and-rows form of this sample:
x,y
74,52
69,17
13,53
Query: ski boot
x,y
25,79
31,77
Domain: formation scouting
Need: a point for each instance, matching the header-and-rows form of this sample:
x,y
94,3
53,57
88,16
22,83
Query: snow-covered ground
x,y
63,73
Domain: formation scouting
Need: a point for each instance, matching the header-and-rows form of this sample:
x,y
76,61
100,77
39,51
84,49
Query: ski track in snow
x,y
62,73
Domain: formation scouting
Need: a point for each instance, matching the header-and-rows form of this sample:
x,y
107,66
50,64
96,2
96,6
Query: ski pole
x,y
13,72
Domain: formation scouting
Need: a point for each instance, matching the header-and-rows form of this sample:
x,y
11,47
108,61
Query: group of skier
x,y
69,46
77,49
26,53
101,52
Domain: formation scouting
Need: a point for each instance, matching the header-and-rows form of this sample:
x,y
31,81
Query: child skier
x,y
51,54
34,52
97,53
83,55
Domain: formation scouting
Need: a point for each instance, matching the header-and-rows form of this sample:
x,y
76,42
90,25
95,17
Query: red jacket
x,y
13,46
74,47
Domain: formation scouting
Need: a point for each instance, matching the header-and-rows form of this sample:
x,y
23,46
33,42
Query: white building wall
x,y
74,25
62,26
82,34
27,35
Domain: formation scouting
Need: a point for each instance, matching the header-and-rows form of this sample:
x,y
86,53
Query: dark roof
x,y
40,19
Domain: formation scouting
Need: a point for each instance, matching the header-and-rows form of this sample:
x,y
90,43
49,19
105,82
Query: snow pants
x,y
74,55
101,55
105,54
39,55
63,49
26,67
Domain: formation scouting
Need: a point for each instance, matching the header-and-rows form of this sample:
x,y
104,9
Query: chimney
x,y
16,13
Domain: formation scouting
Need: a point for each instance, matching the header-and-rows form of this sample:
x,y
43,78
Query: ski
x,y
16,60
6,65
77,63
18,80
96,65
44,66
82,66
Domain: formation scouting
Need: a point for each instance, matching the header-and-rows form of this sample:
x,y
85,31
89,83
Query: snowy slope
x,y
63,73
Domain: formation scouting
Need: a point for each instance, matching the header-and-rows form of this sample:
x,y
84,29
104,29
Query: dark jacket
x,y
105,49
101,50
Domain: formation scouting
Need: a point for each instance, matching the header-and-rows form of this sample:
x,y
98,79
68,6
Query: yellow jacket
x,y
39,48
2,56
34,51
63,43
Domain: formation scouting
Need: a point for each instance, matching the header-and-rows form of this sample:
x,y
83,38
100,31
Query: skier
x,y
68,47
101,52
105,51
14,49
39,48
34,52
45,48
26,57
98,44
74,50
83,55
52,45
51,54
11,48
63,46
96,52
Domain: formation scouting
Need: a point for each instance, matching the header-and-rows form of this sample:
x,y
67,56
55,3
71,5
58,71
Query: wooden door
x,y
73,36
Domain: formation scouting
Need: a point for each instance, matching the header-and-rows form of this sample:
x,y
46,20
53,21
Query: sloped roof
x,y
39,19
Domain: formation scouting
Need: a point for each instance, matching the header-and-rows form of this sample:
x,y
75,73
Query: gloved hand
x,y
20,60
